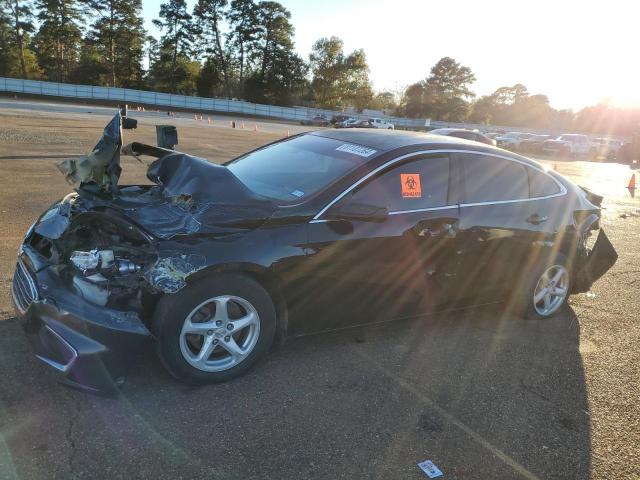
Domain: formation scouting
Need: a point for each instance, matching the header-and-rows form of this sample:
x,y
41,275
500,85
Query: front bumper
x,y
597,263
88,346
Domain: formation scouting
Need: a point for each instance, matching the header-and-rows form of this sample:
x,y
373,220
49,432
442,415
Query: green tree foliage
x,y
175,71
444,95
514,106
215,77
447,90
279,71
338,80
7,57
244,22
117,38
384,101
21,19
58,41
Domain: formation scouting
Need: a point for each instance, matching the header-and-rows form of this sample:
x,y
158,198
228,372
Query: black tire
x,y
525,303
172,310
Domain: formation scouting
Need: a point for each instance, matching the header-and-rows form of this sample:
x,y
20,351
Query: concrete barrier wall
x,y
200,104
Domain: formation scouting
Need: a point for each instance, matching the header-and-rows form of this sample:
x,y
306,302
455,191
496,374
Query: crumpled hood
x,y
102,166
191,195
180,174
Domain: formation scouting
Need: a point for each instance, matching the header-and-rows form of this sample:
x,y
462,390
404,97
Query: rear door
x,y
499,224
365,271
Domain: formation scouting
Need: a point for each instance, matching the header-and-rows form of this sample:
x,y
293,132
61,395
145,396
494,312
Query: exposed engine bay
x,y
102,260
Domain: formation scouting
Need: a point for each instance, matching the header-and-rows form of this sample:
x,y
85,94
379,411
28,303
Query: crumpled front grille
x,y
24,289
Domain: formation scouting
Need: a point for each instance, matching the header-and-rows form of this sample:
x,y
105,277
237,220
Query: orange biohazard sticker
x,y
411,185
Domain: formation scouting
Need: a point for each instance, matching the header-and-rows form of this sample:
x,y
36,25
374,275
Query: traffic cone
x,y
632,182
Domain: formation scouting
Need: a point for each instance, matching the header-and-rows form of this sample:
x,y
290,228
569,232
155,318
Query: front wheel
x,y
215,329
549,289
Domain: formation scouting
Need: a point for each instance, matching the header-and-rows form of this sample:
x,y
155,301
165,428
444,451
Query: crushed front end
x,y
92,268
83,297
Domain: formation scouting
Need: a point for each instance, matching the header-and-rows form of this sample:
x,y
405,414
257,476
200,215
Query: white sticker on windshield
x,y
297,193
356,150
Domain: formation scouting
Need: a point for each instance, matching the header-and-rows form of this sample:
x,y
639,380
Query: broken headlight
x,y
103,261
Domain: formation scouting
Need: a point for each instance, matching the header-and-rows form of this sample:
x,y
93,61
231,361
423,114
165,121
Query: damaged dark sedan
x,y
213,264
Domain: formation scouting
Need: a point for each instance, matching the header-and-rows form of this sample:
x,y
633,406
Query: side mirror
x,y
358,211
129,123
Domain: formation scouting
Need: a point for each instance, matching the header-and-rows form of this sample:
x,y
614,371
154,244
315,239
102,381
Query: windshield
x,y
295,169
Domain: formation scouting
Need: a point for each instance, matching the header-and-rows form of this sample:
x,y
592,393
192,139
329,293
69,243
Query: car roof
x,y
390,140
452,130
386,140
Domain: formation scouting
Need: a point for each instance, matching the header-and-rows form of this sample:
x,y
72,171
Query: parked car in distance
x,y
493,135
534,143
607,148
570,145
380,123
336,119
316,121
348,123
323,230
511,140
362,124
463,133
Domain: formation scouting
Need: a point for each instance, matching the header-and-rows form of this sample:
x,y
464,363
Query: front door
x,y
372,269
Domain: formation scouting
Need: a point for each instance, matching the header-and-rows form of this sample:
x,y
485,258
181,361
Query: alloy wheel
x,y
551,290
219,333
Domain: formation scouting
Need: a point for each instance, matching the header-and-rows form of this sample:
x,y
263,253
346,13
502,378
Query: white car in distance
x,y
380,123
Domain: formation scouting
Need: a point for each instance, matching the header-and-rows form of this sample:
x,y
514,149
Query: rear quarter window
x,y
541,184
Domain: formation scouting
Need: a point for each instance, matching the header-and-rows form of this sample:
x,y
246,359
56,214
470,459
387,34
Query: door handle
x,y
536,219
438,230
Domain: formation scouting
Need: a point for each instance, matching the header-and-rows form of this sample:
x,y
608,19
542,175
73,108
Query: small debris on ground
x,y
430,469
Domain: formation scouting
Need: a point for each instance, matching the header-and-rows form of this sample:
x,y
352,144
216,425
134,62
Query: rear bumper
x,y
88,346
600,260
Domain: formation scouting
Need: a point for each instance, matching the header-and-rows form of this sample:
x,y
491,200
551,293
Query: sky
x,y
578,53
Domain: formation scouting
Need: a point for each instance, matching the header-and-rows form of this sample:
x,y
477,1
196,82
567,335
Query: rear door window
x,y
422,183
493,179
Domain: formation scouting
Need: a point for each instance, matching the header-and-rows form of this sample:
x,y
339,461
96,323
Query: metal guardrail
x,y
167,100
219,105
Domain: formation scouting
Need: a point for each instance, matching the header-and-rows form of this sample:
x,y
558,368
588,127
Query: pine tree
x,y
118,37
245,27
174,65
21,17
209,15
7,57
59,38
280,70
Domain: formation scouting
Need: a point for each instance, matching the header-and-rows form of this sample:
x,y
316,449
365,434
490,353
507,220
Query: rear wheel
x,y
548,290
215,329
